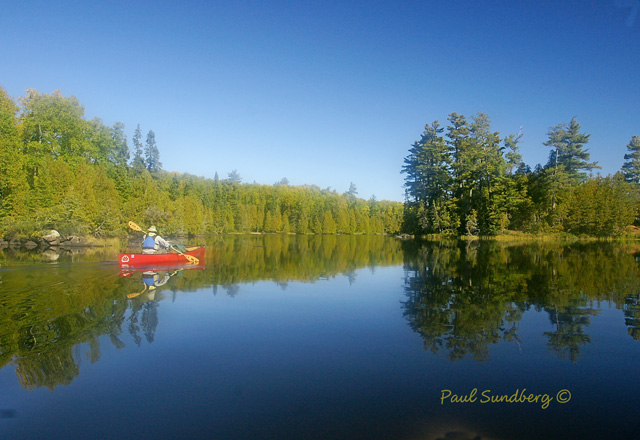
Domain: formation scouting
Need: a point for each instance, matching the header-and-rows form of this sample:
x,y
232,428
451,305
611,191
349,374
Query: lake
x,y
324,337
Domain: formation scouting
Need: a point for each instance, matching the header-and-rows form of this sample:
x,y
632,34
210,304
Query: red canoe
x,y
172,258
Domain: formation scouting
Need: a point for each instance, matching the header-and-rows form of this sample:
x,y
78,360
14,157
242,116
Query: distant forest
x,y
60,171
469,181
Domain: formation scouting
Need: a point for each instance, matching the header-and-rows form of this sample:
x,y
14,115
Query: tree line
x,y
470,181
61,171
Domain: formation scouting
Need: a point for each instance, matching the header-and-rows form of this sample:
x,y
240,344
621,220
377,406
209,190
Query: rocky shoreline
x,y
52,239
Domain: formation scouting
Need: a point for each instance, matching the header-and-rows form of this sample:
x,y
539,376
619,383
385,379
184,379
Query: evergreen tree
x,y
234,177
567,158
463,167
487,168
138,161
514,159
428,182
353,190
152,155
328,223
120,154
427,167
342,219
631,166
567,143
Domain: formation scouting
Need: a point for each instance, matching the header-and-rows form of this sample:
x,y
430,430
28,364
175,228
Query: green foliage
x,y
54,125
328,224
567,145
234,177
58,171
120,154
631,166
13,182
138,161
152,155
603,206
473,183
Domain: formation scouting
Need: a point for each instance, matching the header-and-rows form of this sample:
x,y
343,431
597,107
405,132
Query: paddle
x,y
133,295
190,258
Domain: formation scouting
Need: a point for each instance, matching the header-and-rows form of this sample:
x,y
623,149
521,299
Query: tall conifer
x,y
152,155
631,166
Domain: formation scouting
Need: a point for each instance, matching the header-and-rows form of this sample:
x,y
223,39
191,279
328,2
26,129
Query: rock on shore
x,y
48,240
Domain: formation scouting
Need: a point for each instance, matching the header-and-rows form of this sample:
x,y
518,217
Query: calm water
x,y
325,338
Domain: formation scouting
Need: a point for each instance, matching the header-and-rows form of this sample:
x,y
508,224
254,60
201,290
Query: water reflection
x,y
632,315
461,298
465,297
48,310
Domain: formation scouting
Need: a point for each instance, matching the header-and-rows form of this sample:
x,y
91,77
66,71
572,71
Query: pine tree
x,y
234,177
488,168
428,181
426,166
631,166
568,158
152,155
138,161
514,159
567,143
462,167
120,154
353,190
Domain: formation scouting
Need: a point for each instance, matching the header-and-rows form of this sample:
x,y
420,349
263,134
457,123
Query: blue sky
x,y
329,93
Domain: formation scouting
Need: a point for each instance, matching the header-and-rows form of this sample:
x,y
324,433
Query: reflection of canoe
x,y
127,271
172,258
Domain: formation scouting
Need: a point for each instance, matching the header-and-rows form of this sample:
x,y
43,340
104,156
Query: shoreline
x,y
75,241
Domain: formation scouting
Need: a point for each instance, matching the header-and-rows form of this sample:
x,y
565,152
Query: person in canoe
x,y
153,242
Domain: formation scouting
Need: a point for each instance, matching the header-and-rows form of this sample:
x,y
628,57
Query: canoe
x,y
170,258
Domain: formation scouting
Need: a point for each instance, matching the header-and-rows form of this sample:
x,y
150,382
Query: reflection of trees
x,y
281,258
632,315
456,302
48,370
462,297
143,318
231,289
40,332
569,335
44,353
149,320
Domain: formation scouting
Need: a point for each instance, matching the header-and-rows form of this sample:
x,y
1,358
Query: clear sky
x,y
326,92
